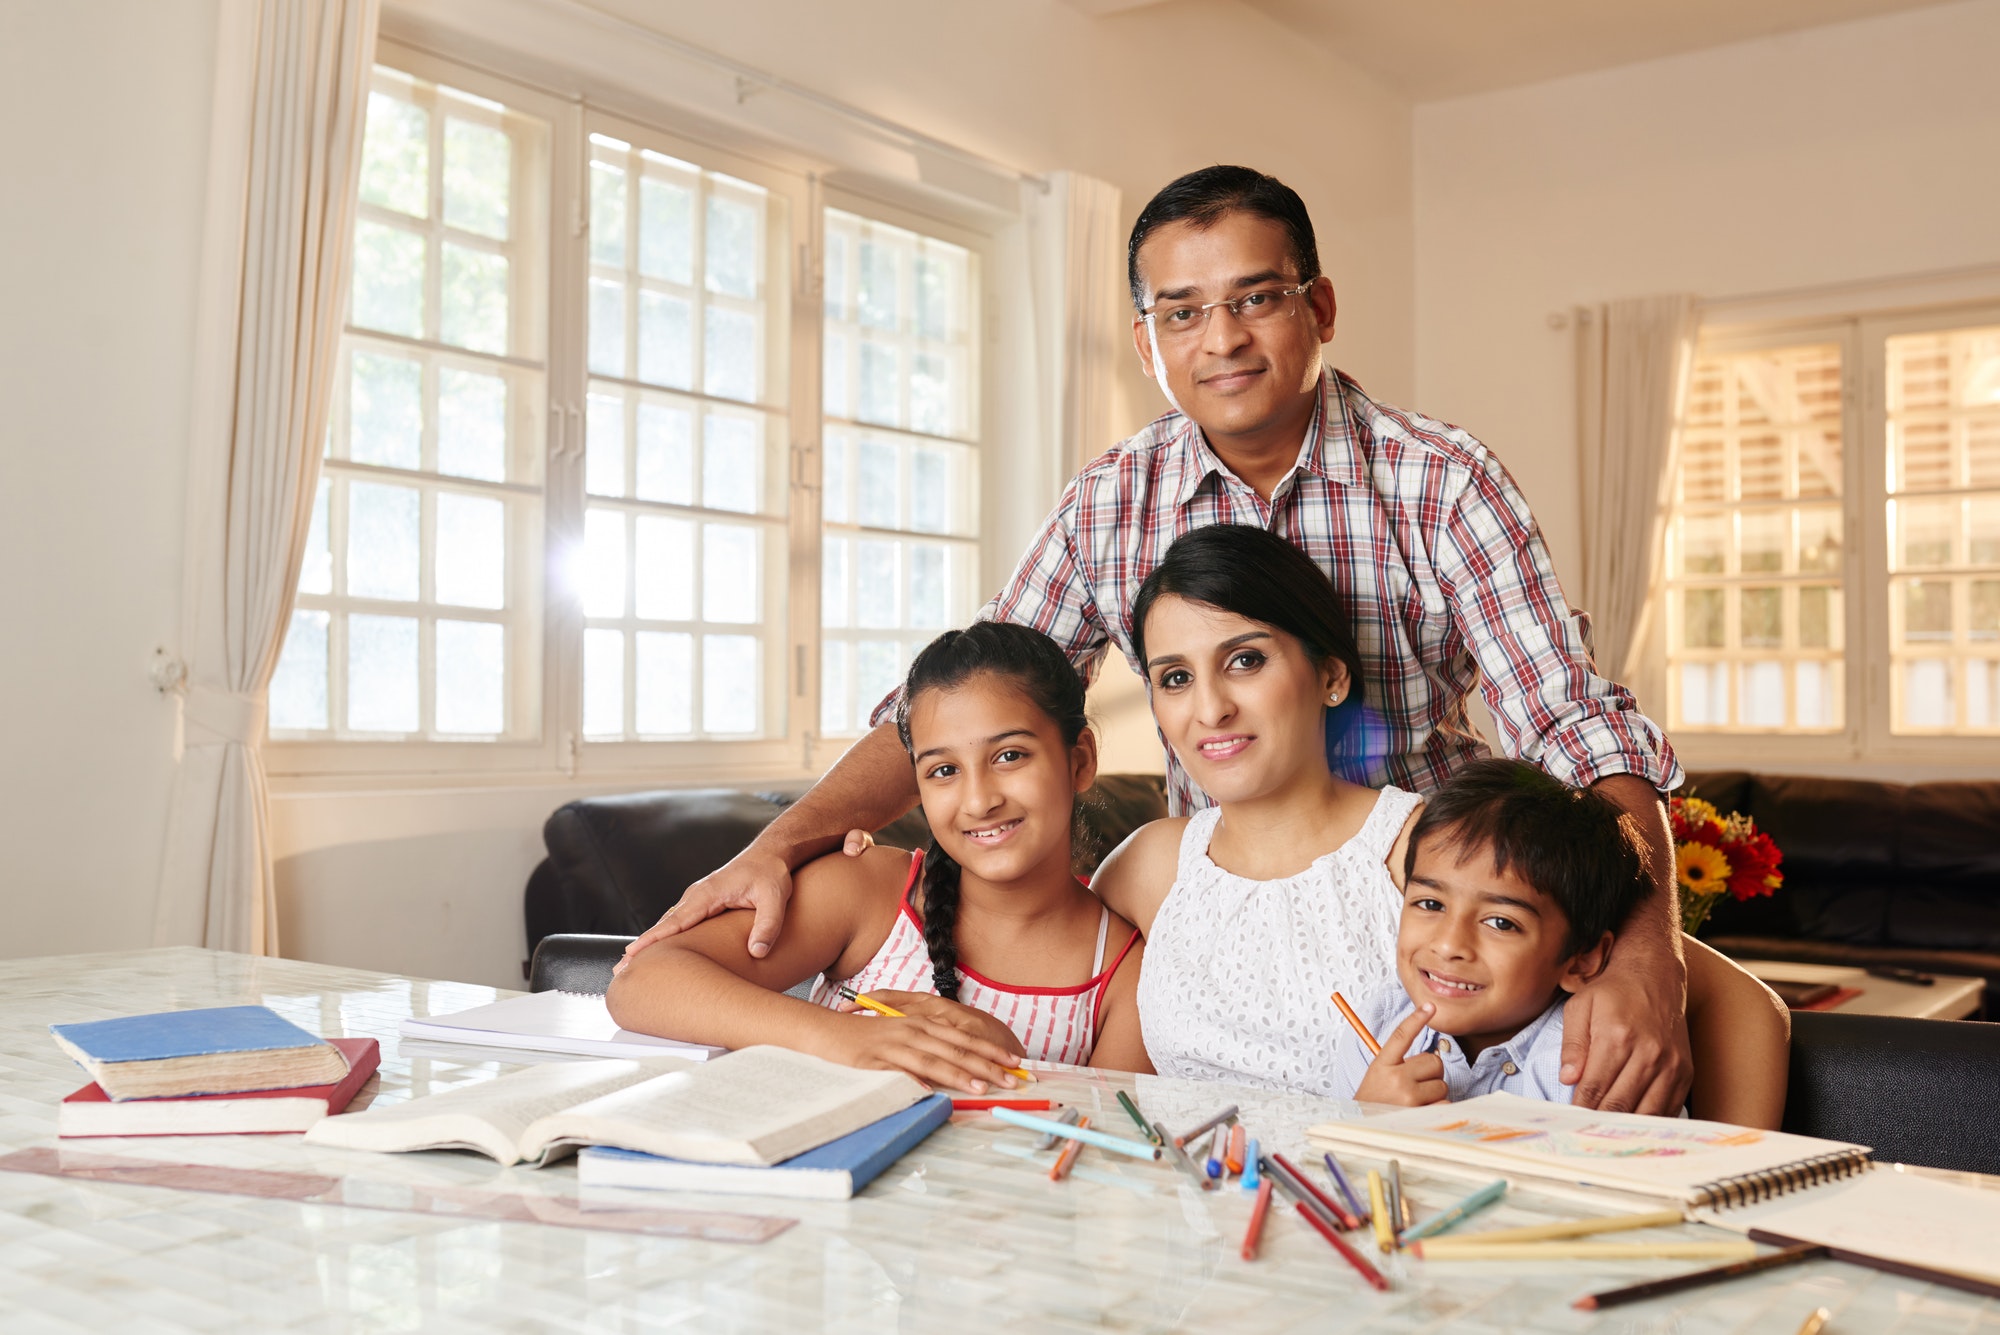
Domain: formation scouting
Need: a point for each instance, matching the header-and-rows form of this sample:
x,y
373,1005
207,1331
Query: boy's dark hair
x,y
1203,197
1257,575
1029,660
1574,846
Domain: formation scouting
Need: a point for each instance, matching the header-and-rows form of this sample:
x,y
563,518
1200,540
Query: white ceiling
x,y
1433,49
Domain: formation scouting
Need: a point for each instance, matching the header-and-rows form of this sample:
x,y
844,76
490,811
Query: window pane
x,y
875,584
603,574
730,683
1704,544
316,574
930,395
1763,618
666,454
1982,531
1766,536
1704,695
471,678
833,688
385,410
478,175
836,369
475,299
382,541
472,424
665,349
666,230
1815,701
1920,452
603,683
663,569
927,586
1926,610
388,279
298,688
1924,532
1982,693
731,574
1819,540
604,445
878,384
1704,469
607,327
471,553
664,684
1701,619
877,485
731,452
833,479
833,582
732,246
878,285
1927,701
878,670
937,284
731,354
396,155
607,214
1818,618
1760,694
381,673
1983,613
838,245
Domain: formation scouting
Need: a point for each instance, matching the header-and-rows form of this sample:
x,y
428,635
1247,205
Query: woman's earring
x,y
1333,699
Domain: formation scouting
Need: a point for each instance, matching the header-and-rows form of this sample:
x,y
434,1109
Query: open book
x,y
758,1105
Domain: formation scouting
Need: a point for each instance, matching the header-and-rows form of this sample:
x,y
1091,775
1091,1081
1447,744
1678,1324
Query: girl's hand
x,y
1412,1082
968,1020
939,1054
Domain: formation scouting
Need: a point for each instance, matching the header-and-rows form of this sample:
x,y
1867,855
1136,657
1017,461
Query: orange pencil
x,y
1060,1169
1374,1048
1255,1232
1232,1157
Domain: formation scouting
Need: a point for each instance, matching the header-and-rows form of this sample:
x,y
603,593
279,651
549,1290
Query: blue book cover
x,y
834,1171
196,1033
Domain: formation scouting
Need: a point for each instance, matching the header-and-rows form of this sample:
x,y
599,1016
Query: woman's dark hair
x,y
1569,843
1024,657
1202,198
1259,576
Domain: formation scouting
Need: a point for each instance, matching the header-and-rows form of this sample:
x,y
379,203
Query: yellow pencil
x,y
869,1003
1577,1228
1378,1208
1471,1249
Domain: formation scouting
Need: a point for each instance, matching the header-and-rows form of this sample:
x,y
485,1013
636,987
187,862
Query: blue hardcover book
x,y
833,1172
218,1050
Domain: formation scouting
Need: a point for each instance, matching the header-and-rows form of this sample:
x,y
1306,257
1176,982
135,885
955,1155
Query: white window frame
x,y
1866,735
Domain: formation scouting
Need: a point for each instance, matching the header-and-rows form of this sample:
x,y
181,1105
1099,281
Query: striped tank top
x,y
1054,1024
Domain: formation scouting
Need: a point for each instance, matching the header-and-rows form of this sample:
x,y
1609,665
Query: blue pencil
x,y
1250,1154
1346,1190
1138,1149
1457,1214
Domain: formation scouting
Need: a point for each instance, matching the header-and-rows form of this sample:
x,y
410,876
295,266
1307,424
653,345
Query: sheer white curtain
x,y
285,157
1087,222
1633,359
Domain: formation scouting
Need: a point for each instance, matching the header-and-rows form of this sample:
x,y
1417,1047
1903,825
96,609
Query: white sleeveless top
x,y
1238,975
1054,1024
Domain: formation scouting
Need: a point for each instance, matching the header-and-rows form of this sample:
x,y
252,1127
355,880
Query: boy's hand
x,y
968,1020
941,1056
1412,1082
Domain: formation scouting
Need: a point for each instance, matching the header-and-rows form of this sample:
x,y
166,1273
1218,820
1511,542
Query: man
x,y
1444,573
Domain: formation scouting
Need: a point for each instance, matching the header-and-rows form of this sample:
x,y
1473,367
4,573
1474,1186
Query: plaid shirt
x,y
1433,552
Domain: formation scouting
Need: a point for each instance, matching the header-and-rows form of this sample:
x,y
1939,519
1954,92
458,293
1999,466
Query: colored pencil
x,y
1258,1209
1226,1115
1750,1265
1068,1116
1137,1149
1457,1214
1333,1211
1131,1108
1180,1160
1816,1321
1374,1048
1580,1228
1251,1177
869,1003
1346,1188
1378,1209
1470,1249
1232,1155
1354,1258
1399,1214
1060,1168
1018,1105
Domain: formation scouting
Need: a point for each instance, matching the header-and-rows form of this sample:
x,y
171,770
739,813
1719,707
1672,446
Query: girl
x,y
993,718
1255,910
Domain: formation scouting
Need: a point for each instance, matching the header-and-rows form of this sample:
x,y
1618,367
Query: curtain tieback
x,y
220,718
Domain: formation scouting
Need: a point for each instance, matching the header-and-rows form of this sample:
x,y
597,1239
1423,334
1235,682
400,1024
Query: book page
x,y
492,1116
757,1105
552,1021
1889,1213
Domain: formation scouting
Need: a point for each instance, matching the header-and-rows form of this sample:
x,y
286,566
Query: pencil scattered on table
x,y
1378,1210
1580,1228
1455,1215
1694,1279
1399,1214
1339,1244
1060,1169
1137,1149
1305,1184
1180,1160
1132,1110
867,1002
1232,1155
1019,1105
1067,1116
1815,1321
1346,1190
1471,1249
1374,1048
1226,1115
1252,1179
1258,1209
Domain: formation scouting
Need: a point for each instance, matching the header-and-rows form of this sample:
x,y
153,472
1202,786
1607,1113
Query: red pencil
x,y
1060,1169
1354,1258
1346,1217
1253,1234
1019,1105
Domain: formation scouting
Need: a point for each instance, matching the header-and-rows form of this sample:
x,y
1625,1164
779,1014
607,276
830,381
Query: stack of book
x,y
225,1070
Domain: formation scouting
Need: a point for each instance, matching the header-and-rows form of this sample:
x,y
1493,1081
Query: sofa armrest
x,y
1915,1091
575,962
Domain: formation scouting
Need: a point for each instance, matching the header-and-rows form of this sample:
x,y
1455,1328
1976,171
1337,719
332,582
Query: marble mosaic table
x,y
965,1233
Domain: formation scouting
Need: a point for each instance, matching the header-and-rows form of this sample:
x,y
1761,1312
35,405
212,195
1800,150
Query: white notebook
x,y
571,1022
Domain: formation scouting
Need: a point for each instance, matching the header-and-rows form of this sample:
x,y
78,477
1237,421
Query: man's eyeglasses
x,y
1183,319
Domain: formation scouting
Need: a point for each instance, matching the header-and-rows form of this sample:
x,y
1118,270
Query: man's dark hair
x,y
1202,198
1574,846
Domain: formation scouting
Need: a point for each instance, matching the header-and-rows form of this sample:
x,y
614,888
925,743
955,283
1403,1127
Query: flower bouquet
x,y
1716,854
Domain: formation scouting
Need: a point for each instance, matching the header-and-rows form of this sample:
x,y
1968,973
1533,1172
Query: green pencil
x,y
1125,1102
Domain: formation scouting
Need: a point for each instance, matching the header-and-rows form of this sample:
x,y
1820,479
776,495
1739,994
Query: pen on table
x,y
1232,1154
1060,1168
1816,1321
1226,1115
1068,1117
1374,1048
1394,1185
1346,1188
1251,1177
1305,1184
1579,1228
1146,1127
1180,1160
869,1003
1457,1214
1019,1105
1258,1209
1591,1302
1378,1209
1137,1149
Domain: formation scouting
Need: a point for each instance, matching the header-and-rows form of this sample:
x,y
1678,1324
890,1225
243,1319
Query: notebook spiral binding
x,y
1750,1188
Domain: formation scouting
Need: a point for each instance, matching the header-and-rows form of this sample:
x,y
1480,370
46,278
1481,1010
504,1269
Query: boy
x,y
1515,884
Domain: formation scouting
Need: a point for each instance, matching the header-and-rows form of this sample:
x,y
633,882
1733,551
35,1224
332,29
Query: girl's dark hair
x,y
1203,198
1259,576
1026,658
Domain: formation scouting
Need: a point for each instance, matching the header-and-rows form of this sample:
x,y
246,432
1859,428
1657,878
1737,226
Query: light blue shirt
x,y
1528,1064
